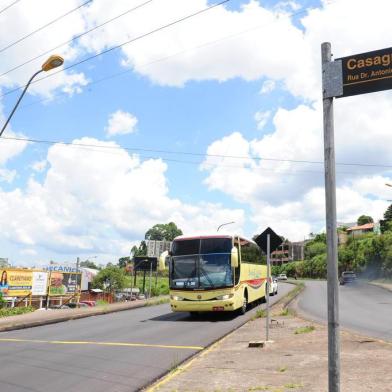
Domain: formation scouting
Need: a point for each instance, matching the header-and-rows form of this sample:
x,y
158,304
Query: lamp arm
x,y
17,103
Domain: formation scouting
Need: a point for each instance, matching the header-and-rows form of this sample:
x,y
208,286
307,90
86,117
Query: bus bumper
x,y
203,306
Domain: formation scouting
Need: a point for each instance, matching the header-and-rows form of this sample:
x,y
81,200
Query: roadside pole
x,y
149,291
332,260
267,320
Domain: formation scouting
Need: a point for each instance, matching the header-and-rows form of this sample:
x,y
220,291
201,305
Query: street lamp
x,y
224,224
53,61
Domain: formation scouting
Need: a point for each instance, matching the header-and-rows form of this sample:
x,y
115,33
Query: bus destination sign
x,y
367,72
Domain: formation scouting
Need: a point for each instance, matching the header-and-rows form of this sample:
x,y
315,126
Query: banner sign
x,y
40,283
367,72
63,283
16,283
61,268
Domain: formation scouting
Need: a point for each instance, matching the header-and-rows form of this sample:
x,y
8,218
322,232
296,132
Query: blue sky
x,y
256,95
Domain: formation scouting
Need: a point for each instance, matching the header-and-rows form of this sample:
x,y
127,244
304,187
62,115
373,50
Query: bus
x,y
214,273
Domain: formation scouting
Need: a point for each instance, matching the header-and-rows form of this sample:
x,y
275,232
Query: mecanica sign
x,y
367,72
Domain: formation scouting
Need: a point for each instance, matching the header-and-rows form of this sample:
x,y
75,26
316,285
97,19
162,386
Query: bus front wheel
x,y
244,306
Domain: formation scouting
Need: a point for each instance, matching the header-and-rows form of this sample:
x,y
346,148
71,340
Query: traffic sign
x,y
145,263
275,240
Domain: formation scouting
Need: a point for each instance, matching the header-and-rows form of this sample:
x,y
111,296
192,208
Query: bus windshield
x,y
201,263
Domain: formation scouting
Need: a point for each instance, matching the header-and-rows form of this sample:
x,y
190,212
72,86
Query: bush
x,y
5,312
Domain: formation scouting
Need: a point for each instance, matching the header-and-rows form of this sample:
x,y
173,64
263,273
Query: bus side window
x,y
237,270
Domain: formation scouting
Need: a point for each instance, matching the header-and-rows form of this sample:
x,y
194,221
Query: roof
x,y
208,235
366,226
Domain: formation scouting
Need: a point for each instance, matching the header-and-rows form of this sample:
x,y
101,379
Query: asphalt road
x,y
118,352
362,307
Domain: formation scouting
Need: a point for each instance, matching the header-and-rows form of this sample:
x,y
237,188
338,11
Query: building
x,y
362,229
288,251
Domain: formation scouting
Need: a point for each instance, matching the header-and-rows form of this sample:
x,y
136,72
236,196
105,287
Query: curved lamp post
x,y
52,62
224,224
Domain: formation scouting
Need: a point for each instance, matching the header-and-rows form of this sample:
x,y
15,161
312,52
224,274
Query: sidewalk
x,y
386,286
294,362
43,317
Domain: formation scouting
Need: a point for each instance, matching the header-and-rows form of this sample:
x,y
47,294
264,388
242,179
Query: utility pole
x,y
332,250
267,320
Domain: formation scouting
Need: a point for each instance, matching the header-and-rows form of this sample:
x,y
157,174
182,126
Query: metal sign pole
x,y
267,290
332,253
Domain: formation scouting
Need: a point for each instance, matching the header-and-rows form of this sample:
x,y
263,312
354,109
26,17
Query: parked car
x,y
282,277
347,277
273,286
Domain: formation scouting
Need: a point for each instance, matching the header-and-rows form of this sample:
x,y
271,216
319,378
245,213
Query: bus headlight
x,y
224,297
176,298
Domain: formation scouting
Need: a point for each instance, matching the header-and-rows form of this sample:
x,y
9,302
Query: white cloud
x,y
262,118
39,166
99,202
121,123
289,194
268,86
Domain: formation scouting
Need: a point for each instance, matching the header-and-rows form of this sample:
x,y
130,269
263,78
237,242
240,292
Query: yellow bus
x,y
215,273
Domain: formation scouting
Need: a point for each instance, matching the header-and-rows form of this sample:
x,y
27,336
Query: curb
x,y
60,319
381,285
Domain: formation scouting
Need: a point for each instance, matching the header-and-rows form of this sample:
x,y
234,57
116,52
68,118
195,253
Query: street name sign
x,y
358,74
261,240
367,72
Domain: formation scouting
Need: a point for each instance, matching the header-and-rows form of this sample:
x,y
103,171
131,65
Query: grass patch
x,y
6,312
159,286
292,294
157,301
307,329
101,302
259,389
287,312
282,369
293,386
260,313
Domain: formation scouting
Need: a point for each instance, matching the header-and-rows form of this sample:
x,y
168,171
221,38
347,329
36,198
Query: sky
x,y
181,111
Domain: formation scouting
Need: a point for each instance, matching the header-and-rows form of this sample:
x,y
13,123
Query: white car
x,y
282,277
273,286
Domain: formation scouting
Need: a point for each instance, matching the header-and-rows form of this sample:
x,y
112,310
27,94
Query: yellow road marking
x,y
103,343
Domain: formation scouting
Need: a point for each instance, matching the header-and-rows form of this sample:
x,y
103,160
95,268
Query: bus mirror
x,y
234,257
162,259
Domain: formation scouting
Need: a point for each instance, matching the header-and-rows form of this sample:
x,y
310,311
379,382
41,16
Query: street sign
x,y
275,240
145,263
367,72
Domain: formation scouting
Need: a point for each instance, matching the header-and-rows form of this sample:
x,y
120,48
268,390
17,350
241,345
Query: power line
x,y
44,26
169,56
76,37
9,6
122,44
137,149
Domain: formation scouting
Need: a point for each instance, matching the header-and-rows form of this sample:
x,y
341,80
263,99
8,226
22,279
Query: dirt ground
x,y
293,362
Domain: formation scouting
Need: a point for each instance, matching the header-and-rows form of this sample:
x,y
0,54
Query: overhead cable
x,y
9,6
138,149
44,26
75,38
121,45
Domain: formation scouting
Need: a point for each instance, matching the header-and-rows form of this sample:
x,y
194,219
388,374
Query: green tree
x,y
386,223
89,264
123,261
110,278
363,219
141,250
163,231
